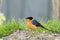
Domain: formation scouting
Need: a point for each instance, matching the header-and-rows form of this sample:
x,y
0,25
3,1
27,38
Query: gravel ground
x,y
31,35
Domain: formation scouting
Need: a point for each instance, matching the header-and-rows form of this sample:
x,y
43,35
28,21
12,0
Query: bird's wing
x,y
36,23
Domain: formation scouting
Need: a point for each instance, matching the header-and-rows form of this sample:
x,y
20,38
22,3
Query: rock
x,y
31,35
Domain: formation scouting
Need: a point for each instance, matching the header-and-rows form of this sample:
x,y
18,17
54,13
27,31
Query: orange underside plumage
x,y
31,26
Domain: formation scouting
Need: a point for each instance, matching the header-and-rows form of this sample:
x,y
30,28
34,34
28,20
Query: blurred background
x,y
42,10
39,9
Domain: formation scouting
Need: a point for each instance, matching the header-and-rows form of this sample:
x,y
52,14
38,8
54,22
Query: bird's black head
x,y
30,18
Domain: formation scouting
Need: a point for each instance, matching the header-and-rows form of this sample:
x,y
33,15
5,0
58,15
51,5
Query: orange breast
x,y
31,26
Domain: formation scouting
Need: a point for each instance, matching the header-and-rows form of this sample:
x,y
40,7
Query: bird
x,y
34,24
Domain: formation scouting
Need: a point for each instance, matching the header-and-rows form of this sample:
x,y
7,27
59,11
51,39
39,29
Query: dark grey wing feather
x,y
36,23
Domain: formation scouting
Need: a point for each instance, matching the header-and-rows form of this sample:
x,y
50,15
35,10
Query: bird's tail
x,y
50,30
47,29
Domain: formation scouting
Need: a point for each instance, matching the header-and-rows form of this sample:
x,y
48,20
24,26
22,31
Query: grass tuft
x,y
9,27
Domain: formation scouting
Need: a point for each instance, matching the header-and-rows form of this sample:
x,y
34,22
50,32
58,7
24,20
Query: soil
x,y
31,35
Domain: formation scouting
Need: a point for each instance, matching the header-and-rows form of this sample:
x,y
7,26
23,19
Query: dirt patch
x,y
31,35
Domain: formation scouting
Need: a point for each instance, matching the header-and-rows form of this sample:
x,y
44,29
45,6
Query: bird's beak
x,y
26,18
